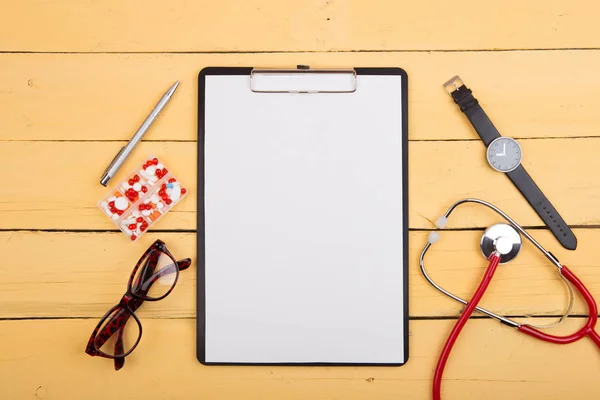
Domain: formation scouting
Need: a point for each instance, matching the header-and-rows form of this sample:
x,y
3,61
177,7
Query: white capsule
x,y
154,179
121,204
176,193
125,186
160,205
129,221
145,213
151,170
104,206
169,191
137,187
112,198
125,229
147,201
160,166
115,217
144,174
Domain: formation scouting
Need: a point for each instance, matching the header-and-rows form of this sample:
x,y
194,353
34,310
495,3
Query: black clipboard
x,y
208,112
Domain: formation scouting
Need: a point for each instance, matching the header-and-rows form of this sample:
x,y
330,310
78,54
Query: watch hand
x,y
503,151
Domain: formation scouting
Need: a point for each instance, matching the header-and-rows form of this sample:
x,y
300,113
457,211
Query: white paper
x,y
304,224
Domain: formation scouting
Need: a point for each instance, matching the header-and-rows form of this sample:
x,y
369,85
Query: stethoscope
x,y
500,244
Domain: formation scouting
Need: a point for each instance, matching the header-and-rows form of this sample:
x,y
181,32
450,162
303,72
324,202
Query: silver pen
x,y
122,155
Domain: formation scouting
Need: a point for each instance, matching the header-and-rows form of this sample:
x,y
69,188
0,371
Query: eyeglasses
x,y
153,278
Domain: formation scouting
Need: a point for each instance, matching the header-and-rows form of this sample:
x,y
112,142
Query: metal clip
x,y
453,84
270,80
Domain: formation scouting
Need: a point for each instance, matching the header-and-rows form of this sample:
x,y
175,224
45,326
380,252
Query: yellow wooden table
x,y
77,77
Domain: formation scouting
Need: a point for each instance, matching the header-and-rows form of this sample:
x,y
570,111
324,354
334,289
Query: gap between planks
x,y
195,141
243,52
475,229
440,318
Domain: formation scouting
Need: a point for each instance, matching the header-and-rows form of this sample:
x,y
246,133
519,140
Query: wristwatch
x,y
504,155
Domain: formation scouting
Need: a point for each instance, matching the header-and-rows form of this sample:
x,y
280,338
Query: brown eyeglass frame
x,y
132,299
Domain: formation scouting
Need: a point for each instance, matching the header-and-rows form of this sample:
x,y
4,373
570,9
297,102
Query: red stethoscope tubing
x,y
460,324
586,330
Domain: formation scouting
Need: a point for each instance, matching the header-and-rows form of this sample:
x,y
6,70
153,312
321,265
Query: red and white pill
x,y
129,221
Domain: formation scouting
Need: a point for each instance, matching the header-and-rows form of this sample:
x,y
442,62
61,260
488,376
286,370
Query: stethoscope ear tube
x,y
434,236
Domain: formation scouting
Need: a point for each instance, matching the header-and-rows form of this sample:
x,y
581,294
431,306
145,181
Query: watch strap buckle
x,y
460,93
453,84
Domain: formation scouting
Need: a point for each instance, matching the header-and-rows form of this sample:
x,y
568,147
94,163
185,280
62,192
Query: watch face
x,y
504,154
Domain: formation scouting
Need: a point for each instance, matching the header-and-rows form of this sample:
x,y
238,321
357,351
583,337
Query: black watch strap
x,y
542,206
486,130
469,105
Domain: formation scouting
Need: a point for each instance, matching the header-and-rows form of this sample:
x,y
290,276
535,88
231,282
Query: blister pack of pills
x,y
143,198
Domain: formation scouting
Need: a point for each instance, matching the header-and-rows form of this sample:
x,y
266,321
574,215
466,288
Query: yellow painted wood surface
x,y
283,25
80,282
57,96
78,77
492,361
567,170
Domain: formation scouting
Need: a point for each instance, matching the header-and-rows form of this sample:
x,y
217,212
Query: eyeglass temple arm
x,y
119,347
182,264
147,269
146,272
135,304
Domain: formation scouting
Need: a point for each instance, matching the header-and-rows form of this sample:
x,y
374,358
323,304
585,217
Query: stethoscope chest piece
x,y
502,238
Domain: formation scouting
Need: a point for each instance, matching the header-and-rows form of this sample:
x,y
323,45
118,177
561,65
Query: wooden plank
x,y
54,185
318,25
84,274
106,96
45,360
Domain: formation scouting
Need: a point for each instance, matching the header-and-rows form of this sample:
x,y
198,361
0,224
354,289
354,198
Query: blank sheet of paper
x,y
304,224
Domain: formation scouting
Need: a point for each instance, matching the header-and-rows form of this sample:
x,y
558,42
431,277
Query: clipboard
x,y
302,245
